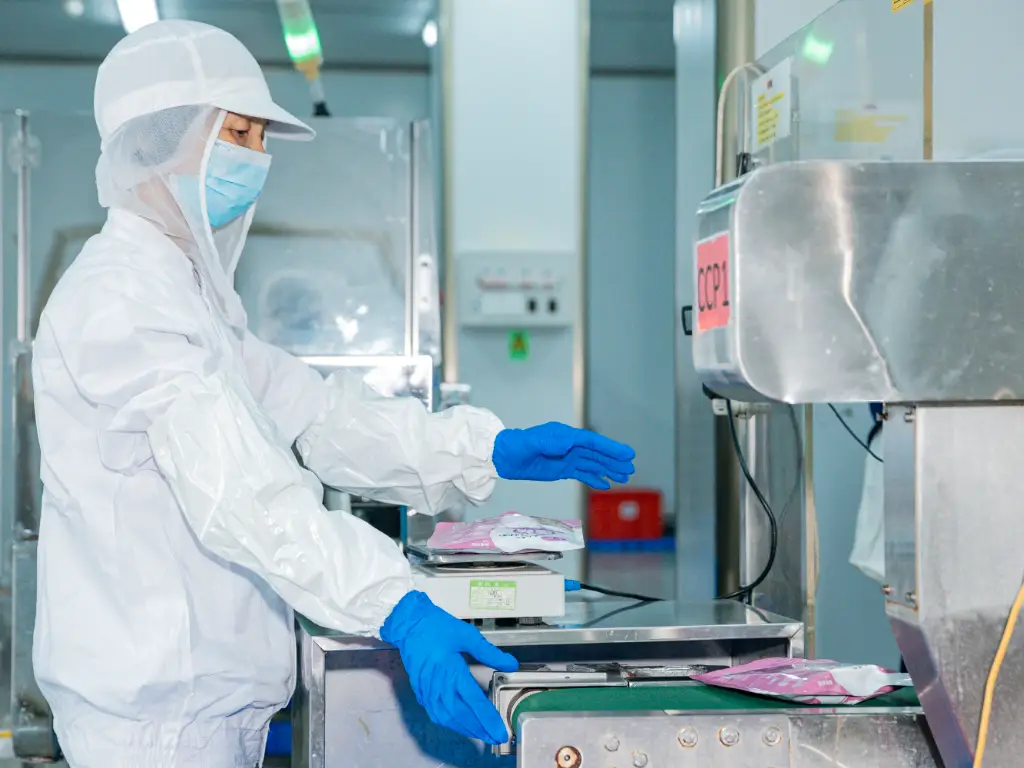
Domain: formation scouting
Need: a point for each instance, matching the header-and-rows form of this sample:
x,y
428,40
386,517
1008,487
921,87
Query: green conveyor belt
x,y
685,696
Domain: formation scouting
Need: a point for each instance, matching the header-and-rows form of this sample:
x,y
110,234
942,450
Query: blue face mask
x,y
234,180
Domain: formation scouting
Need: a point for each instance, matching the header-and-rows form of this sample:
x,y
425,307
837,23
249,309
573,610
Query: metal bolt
x,y
611,744
912,598
887,590
772,737
688,738
729,736
639,759
568,757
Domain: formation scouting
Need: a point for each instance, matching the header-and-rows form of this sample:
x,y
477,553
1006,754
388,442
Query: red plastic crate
x,y
625,514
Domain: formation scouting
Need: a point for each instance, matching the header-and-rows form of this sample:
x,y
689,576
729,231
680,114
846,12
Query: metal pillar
x,y
734,47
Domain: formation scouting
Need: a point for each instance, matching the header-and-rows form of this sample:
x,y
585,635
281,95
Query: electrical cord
x,y
605,616
798,478
614,593
993,676
854,435
746,593
571,585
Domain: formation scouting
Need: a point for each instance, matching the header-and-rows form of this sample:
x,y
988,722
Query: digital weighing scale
x,y
490,585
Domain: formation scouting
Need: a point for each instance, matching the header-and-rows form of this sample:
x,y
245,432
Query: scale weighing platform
x,y
478,586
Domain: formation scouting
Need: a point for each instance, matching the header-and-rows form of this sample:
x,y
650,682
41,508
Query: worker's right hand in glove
x,y
431,643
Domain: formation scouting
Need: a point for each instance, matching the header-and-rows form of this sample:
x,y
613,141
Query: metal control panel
x,y
525,290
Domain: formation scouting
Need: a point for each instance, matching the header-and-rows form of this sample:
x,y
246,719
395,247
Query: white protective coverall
x,y
178,530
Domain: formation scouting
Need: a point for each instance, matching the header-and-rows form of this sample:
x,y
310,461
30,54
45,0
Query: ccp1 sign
x,y
713,283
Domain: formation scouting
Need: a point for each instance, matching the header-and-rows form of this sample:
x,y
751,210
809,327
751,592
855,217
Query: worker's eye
x,y
241,134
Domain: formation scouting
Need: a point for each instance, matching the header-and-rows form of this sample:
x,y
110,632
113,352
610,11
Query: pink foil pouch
x,y
509,533
808,681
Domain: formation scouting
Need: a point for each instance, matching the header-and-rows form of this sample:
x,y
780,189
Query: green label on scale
x,y
489,595
518,345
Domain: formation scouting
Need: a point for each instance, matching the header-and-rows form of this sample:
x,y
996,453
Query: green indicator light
x,y
300,34
303,45
818,51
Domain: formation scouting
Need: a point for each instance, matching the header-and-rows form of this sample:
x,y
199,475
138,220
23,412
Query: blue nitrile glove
x,y
431,643
560,452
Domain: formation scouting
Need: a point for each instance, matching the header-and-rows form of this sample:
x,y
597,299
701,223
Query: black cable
x,y
798,478
748,591
616,612
854,435
876,430
613,593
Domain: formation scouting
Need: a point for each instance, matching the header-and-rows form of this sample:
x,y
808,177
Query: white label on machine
x,y
771,106
489,595
502,303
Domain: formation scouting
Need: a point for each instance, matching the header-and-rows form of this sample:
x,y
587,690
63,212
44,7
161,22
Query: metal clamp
x,y
687,317
740,410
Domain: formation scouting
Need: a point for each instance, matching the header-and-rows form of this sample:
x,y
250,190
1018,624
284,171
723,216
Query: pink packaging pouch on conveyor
x,y
808,681
509,533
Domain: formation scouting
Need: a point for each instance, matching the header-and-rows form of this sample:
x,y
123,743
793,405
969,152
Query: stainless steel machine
x,y
354,705
818,282
827,281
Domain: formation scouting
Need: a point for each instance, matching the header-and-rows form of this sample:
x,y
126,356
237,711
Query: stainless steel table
x,y
353,705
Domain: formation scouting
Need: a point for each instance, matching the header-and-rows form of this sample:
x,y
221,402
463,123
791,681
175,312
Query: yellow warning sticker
x,y
771,105
768,117
865,127
899,5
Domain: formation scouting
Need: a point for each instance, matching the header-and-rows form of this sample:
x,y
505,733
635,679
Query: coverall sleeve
x,y
291,393
231,472
390,449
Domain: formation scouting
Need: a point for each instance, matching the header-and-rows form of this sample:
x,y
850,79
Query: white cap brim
x,y
281,124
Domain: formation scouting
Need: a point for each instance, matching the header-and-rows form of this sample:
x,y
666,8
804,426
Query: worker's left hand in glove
x,y
431,643
560,452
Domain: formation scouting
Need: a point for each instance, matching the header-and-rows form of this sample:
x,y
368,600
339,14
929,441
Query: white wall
x,y
978,61
631,268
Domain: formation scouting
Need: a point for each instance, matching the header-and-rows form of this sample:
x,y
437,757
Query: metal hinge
x,y
740,410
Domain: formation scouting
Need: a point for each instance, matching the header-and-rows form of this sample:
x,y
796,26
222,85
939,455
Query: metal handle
x,y
412,331
687,317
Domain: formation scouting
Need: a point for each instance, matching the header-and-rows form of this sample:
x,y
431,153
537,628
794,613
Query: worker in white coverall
x,y
178,530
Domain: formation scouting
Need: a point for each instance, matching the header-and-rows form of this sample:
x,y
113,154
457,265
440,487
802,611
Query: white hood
x,y
161,97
